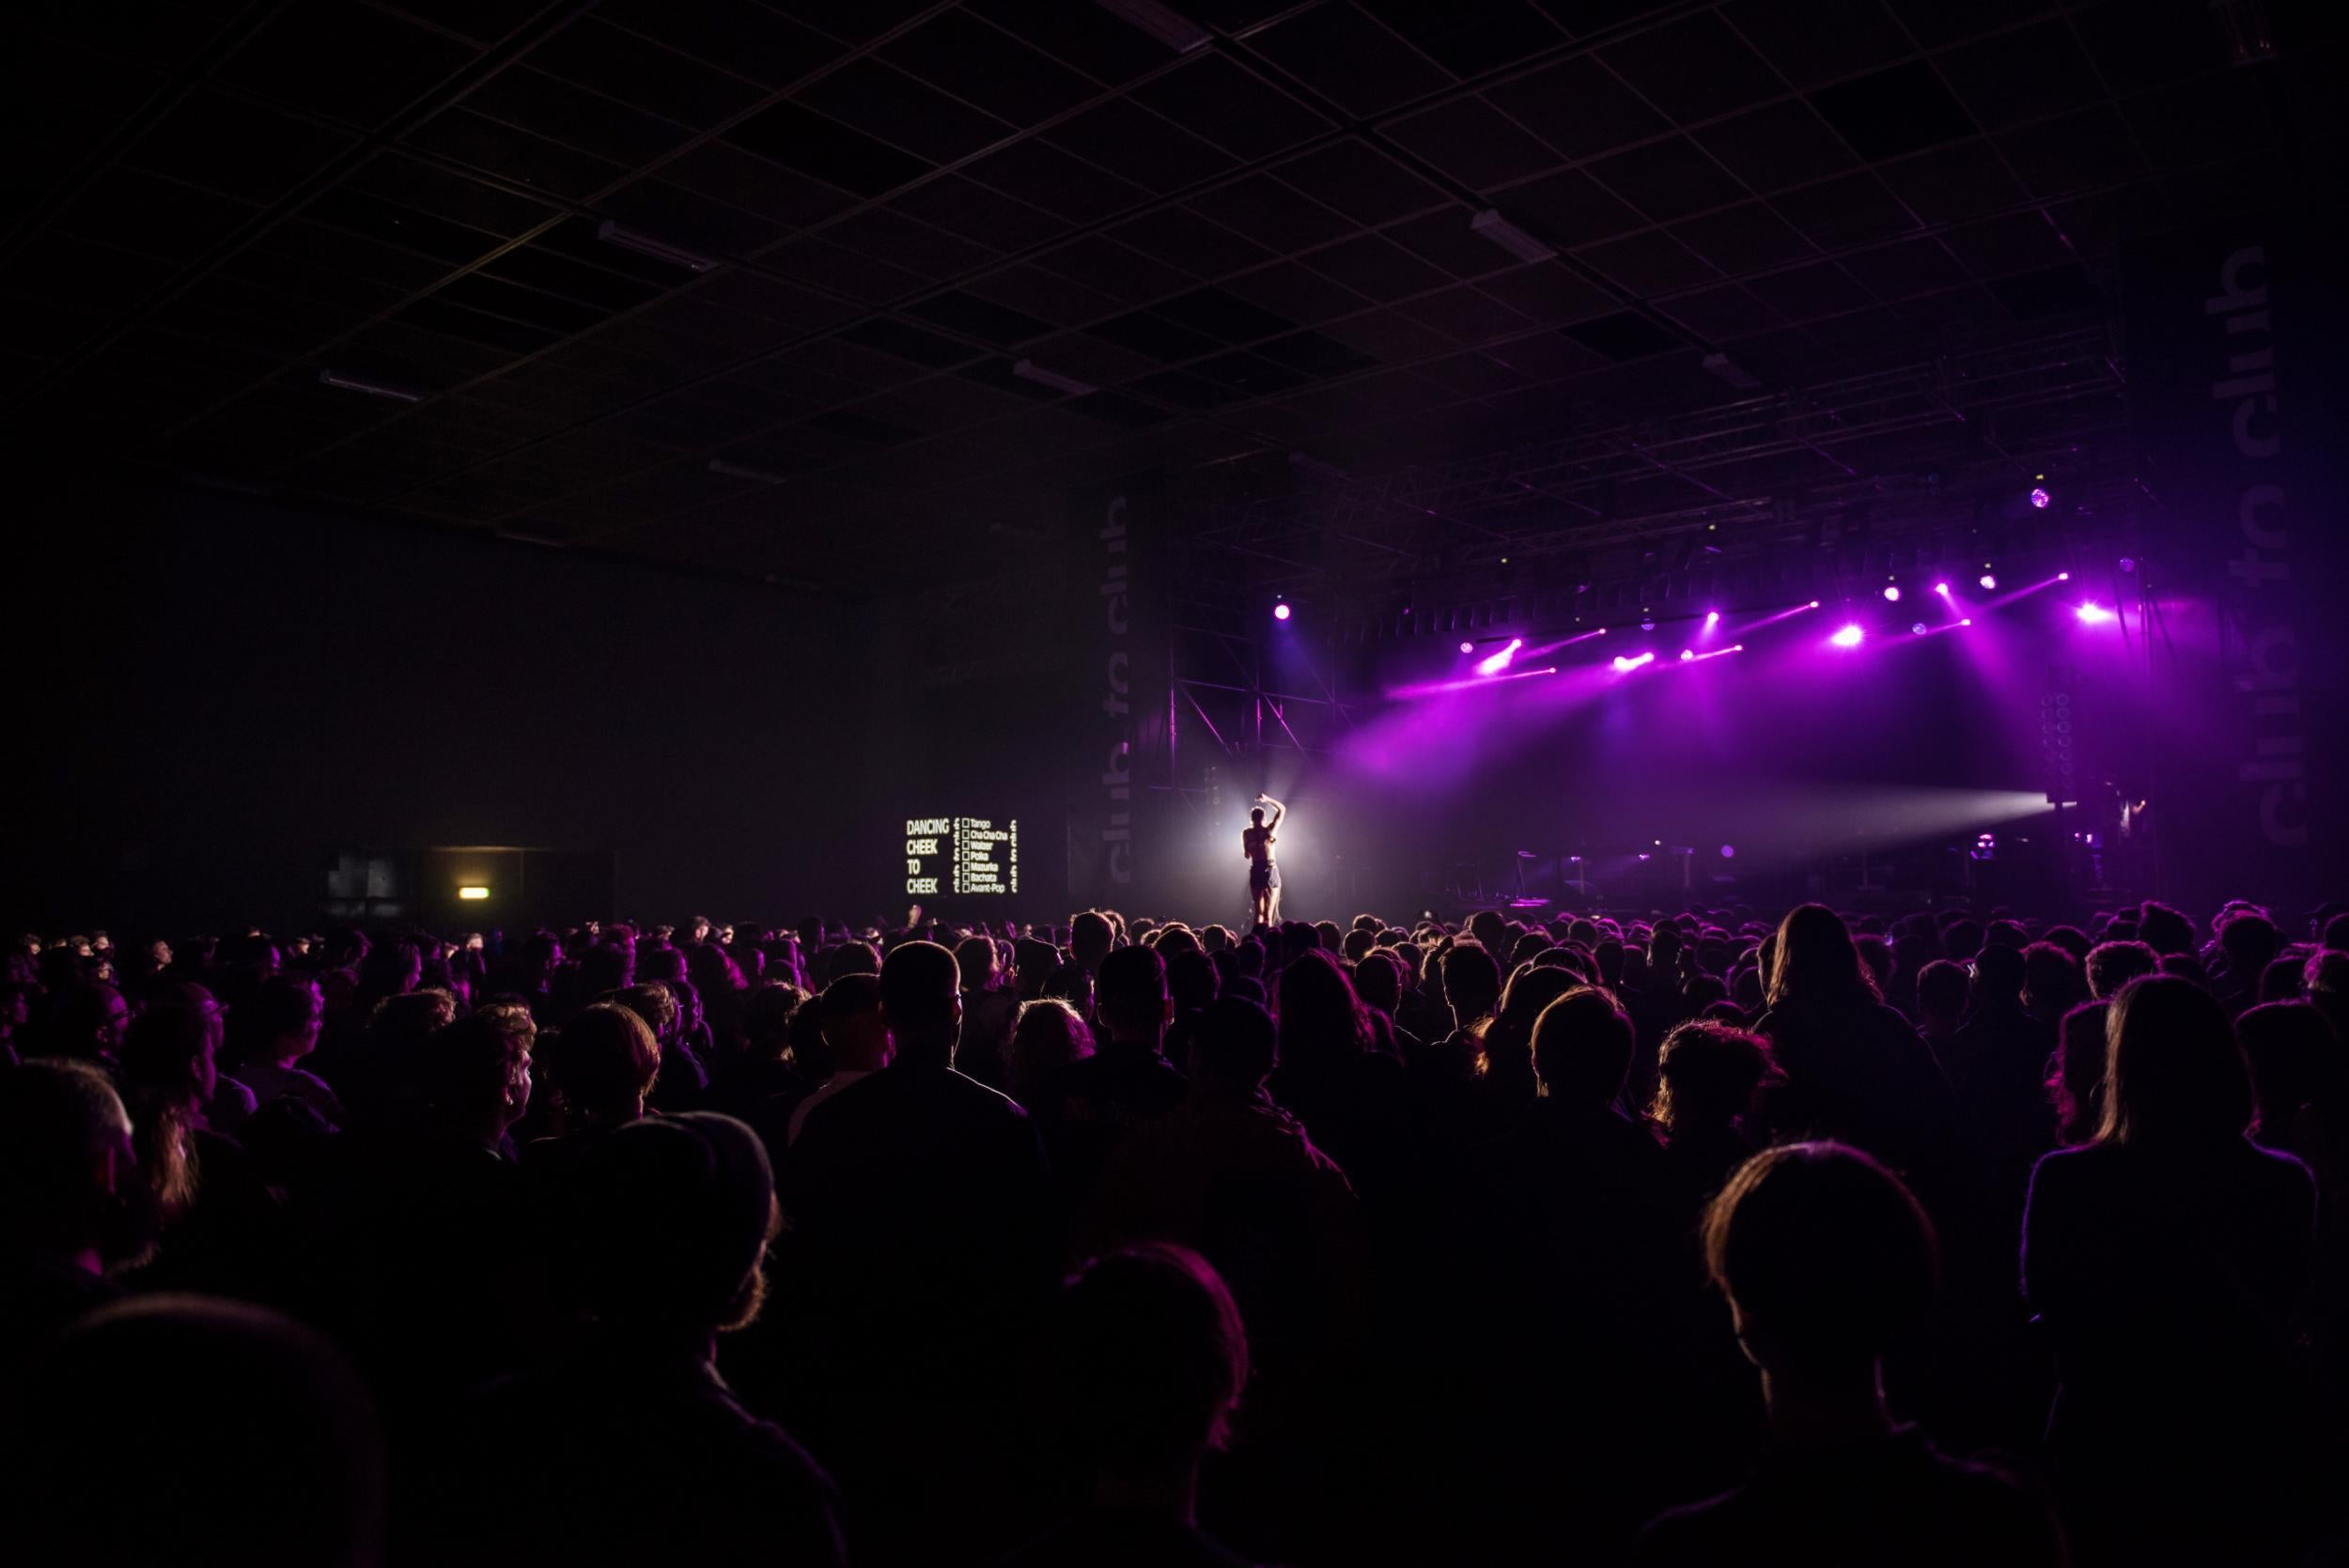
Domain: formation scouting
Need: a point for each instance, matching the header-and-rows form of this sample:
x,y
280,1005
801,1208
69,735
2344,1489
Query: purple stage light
x,y
1942,588
1988,581
1712,619
2064,577
2092,613
1468,647
1280,611
1891,592
1966,621
1687,653
1729,851
1917,628
2039,497
1626,663
1492,664
1848,637
1813,605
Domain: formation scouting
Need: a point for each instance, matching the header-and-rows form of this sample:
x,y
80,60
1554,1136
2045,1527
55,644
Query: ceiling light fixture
x,y
1501,232
1028,370
368,384
659,250
1168,25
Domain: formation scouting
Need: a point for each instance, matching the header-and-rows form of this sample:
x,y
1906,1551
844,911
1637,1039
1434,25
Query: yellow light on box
x,y
473,892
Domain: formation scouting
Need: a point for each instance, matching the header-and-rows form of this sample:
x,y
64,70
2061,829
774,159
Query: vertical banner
x,y
2235,340
1117,694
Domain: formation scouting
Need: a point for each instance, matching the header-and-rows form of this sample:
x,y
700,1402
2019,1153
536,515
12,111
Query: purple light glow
x,y
1687,653
1625,663
1942,588
2039,497
1966,621
1280,611
1468,647
1891,592
1712,619
1988,581
1470,683
1492,664
1850,637
2092,613
1729,851
2064,577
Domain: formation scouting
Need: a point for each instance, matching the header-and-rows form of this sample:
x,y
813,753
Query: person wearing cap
x,y
632,1448
849,1014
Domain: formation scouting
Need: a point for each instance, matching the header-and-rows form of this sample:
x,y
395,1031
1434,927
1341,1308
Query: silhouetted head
x,y
1942,988
2250,942
977,963
2294,1057
1707,1073
2113,964
476,1071
1378,979
2052,983
1192,979
1999,972
191,1431
90,1021
921,1002
665,1224
1048,1035
1090,937
654,1001
1814,963
604,1063
2173,1071
1582,1046
1255,817
1149,1358
850,1016
1471,982
69,1178
606,968
767,1015
2164,929
167,1059
1132,1003
1322,1020
287,1013
1235,1047
1826,1258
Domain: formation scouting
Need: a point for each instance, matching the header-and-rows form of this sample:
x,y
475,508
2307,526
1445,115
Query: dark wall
x,y
224,692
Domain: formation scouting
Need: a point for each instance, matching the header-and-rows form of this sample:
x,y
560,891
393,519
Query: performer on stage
x,y
1256,846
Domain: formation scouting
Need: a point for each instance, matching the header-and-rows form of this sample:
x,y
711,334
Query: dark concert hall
x,y
1339,783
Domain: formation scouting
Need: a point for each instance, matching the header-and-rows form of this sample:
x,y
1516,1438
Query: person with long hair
x,y
1349,1093
1855,1071
2165,1259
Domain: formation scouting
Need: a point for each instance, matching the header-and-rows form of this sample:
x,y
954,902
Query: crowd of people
x,y
1940,1238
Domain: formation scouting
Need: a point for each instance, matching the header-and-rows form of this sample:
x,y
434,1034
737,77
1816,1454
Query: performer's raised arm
x,y
1279,811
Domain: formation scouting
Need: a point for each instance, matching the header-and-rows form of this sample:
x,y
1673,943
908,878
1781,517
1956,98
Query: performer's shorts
x,y
1264,878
